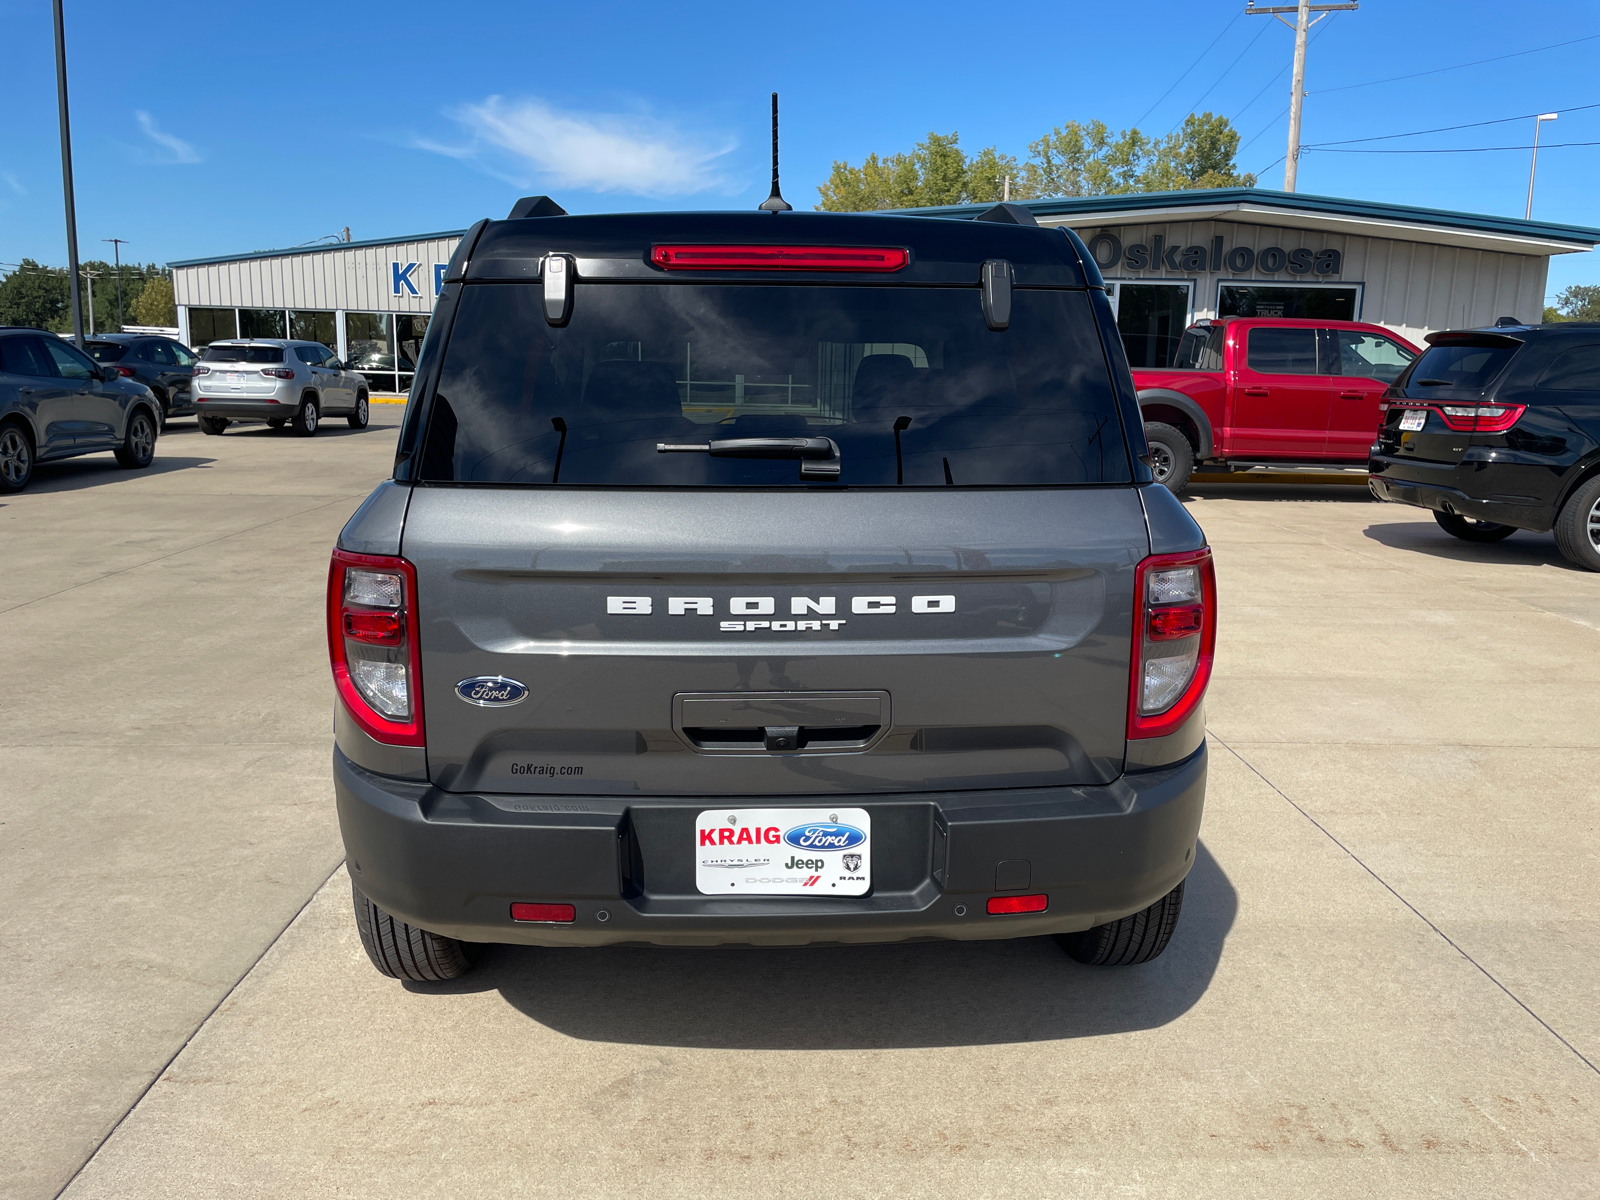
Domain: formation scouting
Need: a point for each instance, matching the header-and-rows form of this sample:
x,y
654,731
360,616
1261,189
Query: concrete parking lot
x,y
1384,982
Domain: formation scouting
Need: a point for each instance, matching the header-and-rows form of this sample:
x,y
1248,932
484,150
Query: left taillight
x,y
372,644
1174,641
125,372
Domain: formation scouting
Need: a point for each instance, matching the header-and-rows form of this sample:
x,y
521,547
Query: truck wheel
x,y
1132,940
1171,456
1469,530
138,447
1578,527
211,424
403,951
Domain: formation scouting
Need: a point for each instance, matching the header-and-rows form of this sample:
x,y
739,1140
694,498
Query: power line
x,y
1302,28
1221,77
1459,66
1461,150
1448,128
1190,67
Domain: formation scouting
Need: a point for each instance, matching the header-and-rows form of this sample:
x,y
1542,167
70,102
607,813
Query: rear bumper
x,y
1441,488
242,408
454,863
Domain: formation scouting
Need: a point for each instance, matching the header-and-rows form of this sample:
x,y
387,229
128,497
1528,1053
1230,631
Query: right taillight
x,y
1481,418
372,644
1174,640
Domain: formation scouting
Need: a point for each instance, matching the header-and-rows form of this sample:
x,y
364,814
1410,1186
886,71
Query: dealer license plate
x,y
783,852
1413,419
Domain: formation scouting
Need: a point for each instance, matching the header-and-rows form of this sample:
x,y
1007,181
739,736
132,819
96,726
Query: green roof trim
x,y
1072,206
317,249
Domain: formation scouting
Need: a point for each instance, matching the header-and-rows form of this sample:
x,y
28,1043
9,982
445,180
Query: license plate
x,y
234,377
783,852
1413,419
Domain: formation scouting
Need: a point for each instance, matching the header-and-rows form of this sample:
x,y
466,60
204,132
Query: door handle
x,y
1257,392
1352,395
27,391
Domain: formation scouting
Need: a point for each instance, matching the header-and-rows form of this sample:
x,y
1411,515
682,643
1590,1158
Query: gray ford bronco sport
x,y
770,579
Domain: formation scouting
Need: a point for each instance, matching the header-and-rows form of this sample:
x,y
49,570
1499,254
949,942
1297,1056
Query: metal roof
x,y
1263,206
321,248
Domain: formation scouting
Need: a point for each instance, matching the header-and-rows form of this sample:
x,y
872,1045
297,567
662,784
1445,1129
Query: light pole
x,y
116,253
1534,165
66,175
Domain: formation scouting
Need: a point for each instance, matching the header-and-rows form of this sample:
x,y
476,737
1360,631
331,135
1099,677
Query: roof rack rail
x,y
536,206
1007,213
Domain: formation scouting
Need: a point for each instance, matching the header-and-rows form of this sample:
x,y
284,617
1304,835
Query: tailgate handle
x,y
780,722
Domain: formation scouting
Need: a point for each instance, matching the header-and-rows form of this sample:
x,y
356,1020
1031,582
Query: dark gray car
x,y
57,402
769,579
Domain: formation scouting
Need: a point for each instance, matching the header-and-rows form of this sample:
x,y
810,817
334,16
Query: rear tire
x,y
16,457
1130,941
212,425
361,414
1171,456
138,449
1577,528
306,418
403,951
1469,530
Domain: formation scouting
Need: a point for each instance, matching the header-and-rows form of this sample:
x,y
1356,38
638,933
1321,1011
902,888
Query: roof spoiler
x,y
1007,214
1471,337
535,206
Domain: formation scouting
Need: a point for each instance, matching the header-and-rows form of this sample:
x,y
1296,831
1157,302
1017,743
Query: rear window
x,y
107,352
1457,365
1200,349
1283,351
219,352
643,365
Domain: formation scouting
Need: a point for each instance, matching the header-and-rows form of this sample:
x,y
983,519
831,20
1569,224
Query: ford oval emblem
x,y
822,836
491,691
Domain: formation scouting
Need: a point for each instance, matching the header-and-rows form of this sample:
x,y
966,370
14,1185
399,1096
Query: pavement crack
x,y
1354,857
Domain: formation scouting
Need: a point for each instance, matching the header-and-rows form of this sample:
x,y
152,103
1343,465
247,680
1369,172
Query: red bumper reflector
x,y
778,258
375,628
1169,623
1018,904
561,913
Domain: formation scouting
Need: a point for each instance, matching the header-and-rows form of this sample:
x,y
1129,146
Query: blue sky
x,y
211,128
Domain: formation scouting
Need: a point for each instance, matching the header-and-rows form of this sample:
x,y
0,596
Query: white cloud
x,y
530,142
12,182
175,149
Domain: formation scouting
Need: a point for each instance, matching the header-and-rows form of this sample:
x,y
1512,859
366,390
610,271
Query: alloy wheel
x,y
15,457
310,417
144,437
1594,524
1160,462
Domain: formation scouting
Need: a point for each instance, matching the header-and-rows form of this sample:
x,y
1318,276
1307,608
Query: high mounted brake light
x,y
372,644
778,258
1174,640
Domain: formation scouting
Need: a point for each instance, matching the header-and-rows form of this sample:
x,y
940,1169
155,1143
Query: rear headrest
x,y
633,389
881,379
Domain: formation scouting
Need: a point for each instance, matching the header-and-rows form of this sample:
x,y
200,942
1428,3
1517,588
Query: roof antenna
x,y
775,202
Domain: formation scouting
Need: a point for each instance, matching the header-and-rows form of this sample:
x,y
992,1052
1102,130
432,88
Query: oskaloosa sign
x,y
1110,254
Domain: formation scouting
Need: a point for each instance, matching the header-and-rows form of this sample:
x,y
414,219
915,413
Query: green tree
x,y
935,171
1084,159
154,305
1580,302
1200,155
34,296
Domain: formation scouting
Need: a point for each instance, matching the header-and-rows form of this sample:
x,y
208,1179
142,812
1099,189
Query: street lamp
x,y
1532,166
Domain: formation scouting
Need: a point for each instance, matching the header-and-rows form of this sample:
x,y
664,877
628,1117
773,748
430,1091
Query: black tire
x,y
211,425
1469,530
1130,941
161,399
362,412
1171,456
1578,526
138,449
403,951
16,457
276,422
307,417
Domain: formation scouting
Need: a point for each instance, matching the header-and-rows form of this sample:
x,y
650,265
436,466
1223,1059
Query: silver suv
x,y
276,381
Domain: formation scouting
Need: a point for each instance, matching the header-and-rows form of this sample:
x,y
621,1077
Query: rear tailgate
x,y
916,640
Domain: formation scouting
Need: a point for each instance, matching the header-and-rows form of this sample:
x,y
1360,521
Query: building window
x,y
1151,318
409,332
307,326
369,342
1309,303
207,325
261,322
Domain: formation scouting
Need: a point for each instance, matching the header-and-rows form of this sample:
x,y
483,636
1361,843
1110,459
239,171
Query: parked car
x,y
1269,390
1498,430
57,402
276,381
160,363
624,653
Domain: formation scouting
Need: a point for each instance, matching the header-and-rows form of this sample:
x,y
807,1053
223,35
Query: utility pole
x,y
116,253
66,175
1302,25
89,277
1534,164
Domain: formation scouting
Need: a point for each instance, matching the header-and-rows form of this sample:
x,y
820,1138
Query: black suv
x,y
161,364
769,579
1498,430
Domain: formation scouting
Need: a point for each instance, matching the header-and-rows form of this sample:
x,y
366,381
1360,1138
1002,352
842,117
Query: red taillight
x,y
202,371
372,644
1018,904
125,372
778,258
559,913
1481,418
1175,613
278,372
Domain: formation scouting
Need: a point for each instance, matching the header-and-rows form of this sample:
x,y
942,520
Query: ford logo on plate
x,y
491,691
824,837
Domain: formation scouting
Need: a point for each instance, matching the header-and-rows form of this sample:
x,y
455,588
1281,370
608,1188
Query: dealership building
x,y
1169,258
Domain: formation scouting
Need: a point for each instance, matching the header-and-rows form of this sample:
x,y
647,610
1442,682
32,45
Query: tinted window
x,y
308,354
160,353
24,356
1283,351
70,362
1460,366
182,355
107,352
638,366
219,352
1575,370
1201,349
1369,354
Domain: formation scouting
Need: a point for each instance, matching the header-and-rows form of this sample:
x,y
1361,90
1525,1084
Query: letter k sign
x,y
402,277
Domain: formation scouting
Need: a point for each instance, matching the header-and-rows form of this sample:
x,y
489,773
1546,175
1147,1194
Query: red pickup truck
x,y
1248,391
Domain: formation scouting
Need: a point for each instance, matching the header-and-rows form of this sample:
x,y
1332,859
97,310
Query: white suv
x,y
276,381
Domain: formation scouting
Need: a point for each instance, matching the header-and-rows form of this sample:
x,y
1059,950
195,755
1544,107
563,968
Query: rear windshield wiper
x,y
819,455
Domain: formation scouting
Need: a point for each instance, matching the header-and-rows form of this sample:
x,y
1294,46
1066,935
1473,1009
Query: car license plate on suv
x,y
1413,419
783,851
